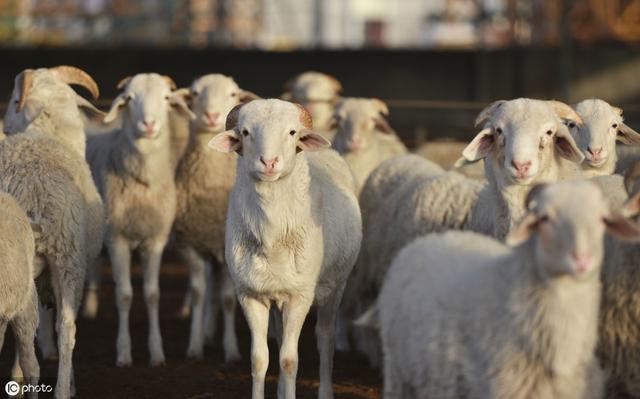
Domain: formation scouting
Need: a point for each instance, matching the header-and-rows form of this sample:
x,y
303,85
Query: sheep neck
x,y
68,129
272,211
566,337
142,160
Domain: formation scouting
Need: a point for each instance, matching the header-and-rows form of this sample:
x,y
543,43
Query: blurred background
x,y
435,62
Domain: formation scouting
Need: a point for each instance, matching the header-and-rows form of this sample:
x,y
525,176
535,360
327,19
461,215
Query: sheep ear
x,y
565,112
287,96
480,146
116,107
177,101
381,106
227,141
622,228
383,126
523,230
184,92
311,141
627,135
631,177
246,96
566,145
488,112
89,108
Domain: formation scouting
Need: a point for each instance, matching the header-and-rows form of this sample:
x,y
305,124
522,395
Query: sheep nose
x,y
148,124
212,117
521,167
269,163
581,262
595,152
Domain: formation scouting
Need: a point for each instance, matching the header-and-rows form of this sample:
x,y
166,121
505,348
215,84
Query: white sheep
x,y
523,142
619,341
136,180
363,136
19,305
318,93
203,182
293,232
44,169
602,127
462,315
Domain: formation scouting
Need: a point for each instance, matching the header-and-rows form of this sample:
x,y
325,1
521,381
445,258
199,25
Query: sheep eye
x,y
234,94
571,125
292,133
549,132
166,98
499,130
543,218
245,132
615,126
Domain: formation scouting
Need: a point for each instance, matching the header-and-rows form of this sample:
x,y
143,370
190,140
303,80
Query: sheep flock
x,y
518,281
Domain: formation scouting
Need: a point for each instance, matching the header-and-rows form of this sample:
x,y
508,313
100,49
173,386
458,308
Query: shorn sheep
x,y
522,142
44,171
19,305
363,136
602,127
318,93
136,181
293,232
462,315
203,182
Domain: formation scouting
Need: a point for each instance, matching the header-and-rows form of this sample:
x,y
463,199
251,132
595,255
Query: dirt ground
x,y
98,377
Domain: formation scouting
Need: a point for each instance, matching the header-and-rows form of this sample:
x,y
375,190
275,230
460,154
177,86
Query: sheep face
x,y
46,91
145,104
568,239
522,136
317,92
603,125
358,120
268,134
211,98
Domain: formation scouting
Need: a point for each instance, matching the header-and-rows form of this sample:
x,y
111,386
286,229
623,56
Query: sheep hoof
x,y
157,361
231,357
124,361
196,354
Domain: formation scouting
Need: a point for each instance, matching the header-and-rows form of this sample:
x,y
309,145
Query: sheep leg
x,y
152,300
211,302
3,330
197,287
66,293
275,322
46,336
120,255
185,309
325,333
230,341
257,315
24,327
294,313
342,333
94,278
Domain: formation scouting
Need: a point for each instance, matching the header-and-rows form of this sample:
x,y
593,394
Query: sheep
x,y
136,181
203,182
19,305
463,315
619,334
293,232
434,202
363,137
44,169
603,126
318,93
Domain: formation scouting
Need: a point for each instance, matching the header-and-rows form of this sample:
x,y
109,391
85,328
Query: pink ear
x,y
310,141
480,146
227,141
622,228
566,145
